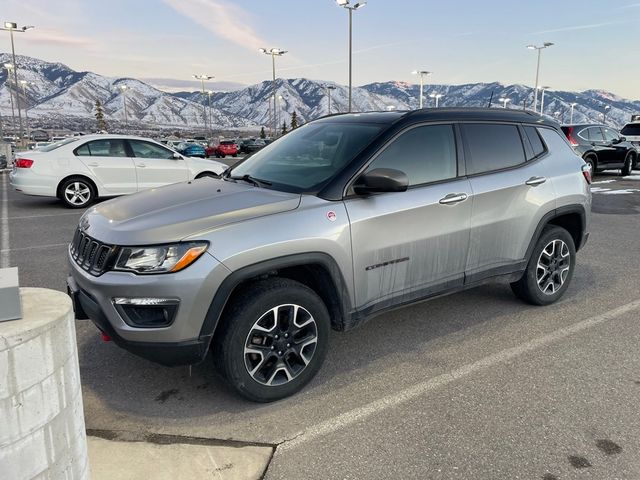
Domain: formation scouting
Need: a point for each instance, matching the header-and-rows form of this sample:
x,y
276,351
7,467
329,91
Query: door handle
x,y
141,165
94,164
535,181
453,198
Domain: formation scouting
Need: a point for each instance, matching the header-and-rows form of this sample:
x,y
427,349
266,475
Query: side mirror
x,y
381,180
620,140
177,156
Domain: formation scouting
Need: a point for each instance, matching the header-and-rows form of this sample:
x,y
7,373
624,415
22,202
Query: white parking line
x,y
4,226
23,217
358,414
52,245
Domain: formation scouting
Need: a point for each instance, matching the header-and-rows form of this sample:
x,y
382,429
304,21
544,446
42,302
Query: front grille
x,y
91,255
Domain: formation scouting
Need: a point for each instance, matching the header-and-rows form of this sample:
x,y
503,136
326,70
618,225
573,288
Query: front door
x,y
110,165
156,166
412,244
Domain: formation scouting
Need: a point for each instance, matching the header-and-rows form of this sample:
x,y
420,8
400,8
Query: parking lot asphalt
x,y
473,385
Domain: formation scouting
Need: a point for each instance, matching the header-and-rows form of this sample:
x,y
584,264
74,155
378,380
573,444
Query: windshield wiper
x,y
249,179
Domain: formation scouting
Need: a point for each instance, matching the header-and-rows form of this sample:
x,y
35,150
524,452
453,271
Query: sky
x,y
597,45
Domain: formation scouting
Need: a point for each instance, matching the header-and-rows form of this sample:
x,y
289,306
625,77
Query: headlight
x,y
160,258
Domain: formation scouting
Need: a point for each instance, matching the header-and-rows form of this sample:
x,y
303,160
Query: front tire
x,y
77,192
550,268
273,339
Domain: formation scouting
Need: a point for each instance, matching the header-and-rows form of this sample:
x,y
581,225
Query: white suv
x,y
631,131
80,169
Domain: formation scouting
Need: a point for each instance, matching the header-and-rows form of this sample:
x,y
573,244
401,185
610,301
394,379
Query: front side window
x,y
493,147
142,149
610,135
308,157
109,147
425,154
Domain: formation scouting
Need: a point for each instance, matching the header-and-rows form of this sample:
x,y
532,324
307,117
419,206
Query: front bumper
x,y
180,343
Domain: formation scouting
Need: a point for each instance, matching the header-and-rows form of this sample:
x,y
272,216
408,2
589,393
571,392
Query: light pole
x,y
202,79
346,4
209,93
9,67
535,91
13,27
437,96
604,114
422,73
573,105
504,101
24,84
123,88
544,89
274,52
279,112
329,88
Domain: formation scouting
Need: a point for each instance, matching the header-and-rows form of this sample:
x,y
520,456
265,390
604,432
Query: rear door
x,y
407,245
156,166
600,146
616,150
108,161
511,194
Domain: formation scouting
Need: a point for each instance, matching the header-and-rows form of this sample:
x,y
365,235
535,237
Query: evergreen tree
x,y
102,125
294,120
262,134
284,127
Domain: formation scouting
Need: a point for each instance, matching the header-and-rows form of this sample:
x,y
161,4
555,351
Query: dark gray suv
x,y
340,220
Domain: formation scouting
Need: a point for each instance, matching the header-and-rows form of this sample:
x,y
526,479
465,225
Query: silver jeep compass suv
x,y
339,220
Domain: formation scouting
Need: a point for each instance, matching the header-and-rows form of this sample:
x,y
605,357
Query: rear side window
x,y
426,154
631,130
111,147
594,134
537,146
493,147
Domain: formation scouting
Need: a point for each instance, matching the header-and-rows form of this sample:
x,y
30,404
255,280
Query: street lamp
x,y
545,88
604,113
202,79
123,88
24,84
535,91
329,88
504,101
573,105
13,27
274,52
346,4
437,96
422,73
9,68
209,93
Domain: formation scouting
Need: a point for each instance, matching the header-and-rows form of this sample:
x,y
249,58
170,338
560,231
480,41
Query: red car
x,y
224,148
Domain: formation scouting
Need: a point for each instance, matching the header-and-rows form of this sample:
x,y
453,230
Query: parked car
x,y
342,219
3,161
39,145
631,131
191,149
602,147
252,145
222,149
78,170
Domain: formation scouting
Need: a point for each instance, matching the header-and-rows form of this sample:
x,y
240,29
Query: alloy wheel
x,y
553,266
280,345
77,193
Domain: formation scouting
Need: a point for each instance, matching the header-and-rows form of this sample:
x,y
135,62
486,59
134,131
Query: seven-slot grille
x,y
89,254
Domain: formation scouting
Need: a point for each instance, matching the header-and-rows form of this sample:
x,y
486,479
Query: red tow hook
x,y
105,337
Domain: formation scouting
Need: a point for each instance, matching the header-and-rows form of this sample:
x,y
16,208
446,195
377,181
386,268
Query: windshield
x,y
308,157
53,146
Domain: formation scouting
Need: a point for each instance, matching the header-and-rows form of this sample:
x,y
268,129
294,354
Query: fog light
x,y
147,312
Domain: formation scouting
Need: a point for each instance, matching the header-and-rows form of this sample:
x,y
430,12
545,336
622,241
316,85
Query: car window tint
x,y
535,141
493,147
594,134
83,151
143,149
631,130
425,154
610,135
109,147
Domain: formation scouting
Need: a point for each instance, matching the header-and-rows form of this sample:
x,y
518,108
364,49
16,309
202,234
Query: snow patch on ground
x,y
603,181
624,191
631,177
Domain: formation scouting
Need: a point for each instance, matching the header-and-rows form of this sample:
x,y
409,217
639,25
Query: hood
x,y
171,213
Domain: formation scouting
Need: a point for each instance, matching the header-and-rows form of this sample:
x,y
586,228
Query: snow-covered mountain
x,y
58,95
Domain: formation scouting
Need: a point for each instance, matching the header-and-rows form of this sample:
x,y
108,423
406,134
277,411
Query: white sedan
x,y
78,170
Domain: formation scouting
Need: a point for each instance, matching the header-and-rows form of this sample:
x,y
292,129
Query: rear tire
x,y
77,192
628,165
550,268
272,340
592,163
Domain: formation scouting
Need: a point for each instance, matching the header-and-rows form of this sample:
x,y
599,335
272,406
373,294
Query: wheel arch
x,y
593,155
572,218
318,271
76,175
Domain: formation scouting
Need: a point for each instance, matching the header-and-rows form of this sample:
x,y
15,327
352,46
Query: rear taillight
x,y
586,173
23,163
570,137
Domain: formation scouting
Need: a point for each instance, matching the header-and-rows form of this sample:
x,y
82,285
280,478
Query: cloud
x,y
48,36
220,18
578,27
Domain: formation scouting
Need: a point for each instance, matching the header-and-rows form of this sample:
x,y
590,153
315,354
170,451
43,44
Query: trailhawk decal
x,y
384,264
